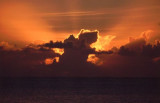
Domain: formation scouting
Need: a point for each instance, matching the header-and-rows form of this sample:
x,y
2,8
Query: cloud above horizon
x,y
117,38
135,59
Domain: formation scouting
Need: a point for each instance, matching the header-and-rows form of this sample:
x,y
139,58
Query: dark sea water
x,y
79,90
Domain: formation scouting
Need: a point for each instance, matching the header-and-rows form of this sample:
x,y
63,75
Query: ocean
x,y
80,90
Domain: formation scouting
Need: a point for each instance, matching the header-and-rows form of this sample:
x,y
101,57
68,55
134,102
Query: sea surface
x,y
80,90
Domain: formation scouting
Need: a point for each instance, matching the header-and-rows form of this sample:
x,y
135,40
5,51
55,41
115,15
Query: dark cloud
x,y
133,47
89,37
23,61
129,66
141,47
126,51
151,50
135,59
76,50
57,44
85,39
136,45
29,61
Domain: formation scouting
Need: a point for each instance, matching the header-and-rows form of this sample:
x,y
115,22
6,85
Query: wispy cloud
x,y
76,13
99,12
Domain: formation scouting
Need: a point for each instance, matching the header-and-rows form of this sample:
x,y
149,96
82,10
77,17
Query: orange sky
x,y
45,20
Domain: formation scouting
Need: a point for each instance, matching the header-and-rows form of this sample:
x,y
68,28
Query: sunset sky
x,y
129,23
32,20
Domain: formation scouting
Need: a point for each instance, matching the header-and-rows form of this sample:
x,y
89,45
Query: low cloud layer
x,y
138,58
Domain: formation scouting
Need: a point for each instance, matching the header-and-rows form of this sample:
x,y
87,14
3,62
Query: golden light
x,y
50,61
56,59
7,46
20,21
85,31
93,59
102,42
58,50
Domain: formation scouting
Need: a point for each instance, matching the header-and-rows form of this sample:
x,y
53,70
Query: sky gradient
x,y
110,38
58,19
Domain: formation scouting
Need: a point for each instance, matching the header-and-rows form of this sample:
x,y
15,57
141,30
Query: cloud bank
x,y
138,58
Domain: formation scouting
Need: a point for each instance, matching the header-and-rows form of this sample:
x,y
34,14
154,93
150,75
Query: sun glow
x,y
85,31
50,61
20,22
102,42
56,59
93,59
58,50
